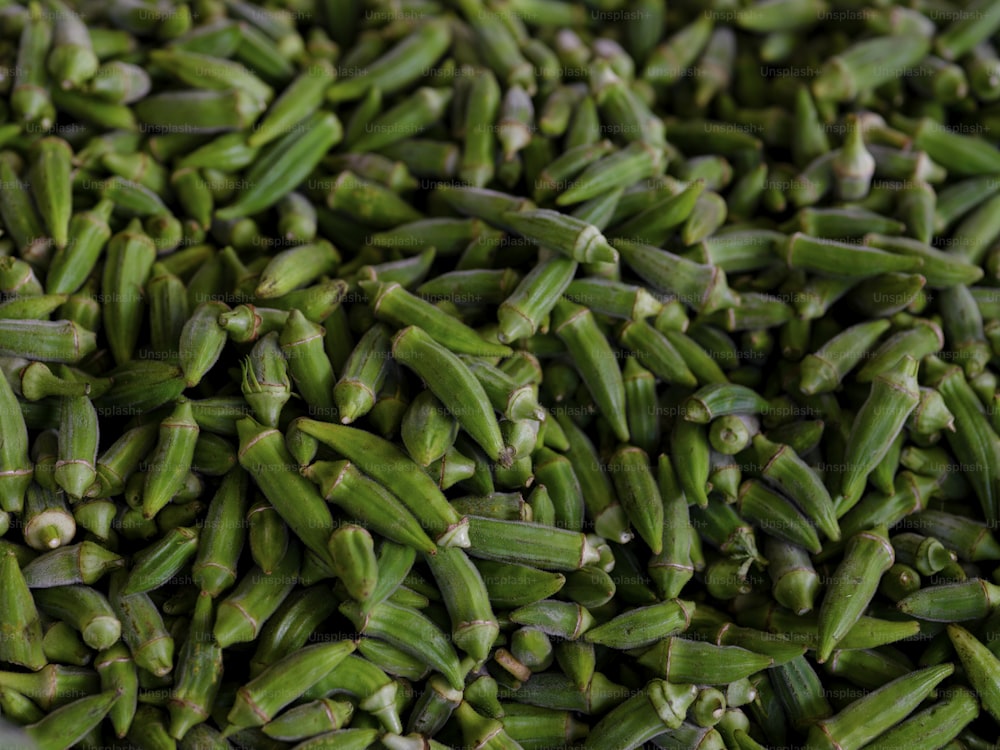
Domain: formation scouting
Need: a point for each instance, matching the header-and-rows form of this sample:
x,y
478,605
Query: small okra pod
x,y
142,628
474,626
556,473
672,568
922,339
960,154
560,619
623,168
794,581
266,386
822,371
513,585
869,717
976,443
658,352
86,609
51,186
221,536
565,234
155,565
481,111
690,454
422,109
594,360
721,399
51,686
363,374
264,455
292,625
680,660
75,468
521,314
296,267
393,303
701,287
382,460
257,596
171,460
599,498
19,621
310,719
68,724
937,725
401,65
516,542
428,431
284,165
970,539
638,493
280,684
801,693
641,406
642,626
268,536
855,71
893,396
118,672
199,673
20,216
452,382
411,632
867,557
614,298
168,311
979,664
199,111
354,562
46,341
955,602
857,261
776,516
85,562
202,341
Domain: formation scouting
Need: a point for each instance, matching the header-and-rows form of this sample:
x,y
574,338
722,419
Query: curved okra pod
x,y
171,460
781,466
892,398
976,444
155,565
310,719
522,312
264,456
555,472
285,681
411,632
660,705
382,460
199,673
142,628
716,400
240,616
868,717
867,557
457,388
594,360
85,562
396,305
474,626
86,609
118,672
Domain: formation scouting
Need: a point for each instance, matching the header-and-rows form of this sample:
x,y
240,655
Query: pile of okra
x,y
499,374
